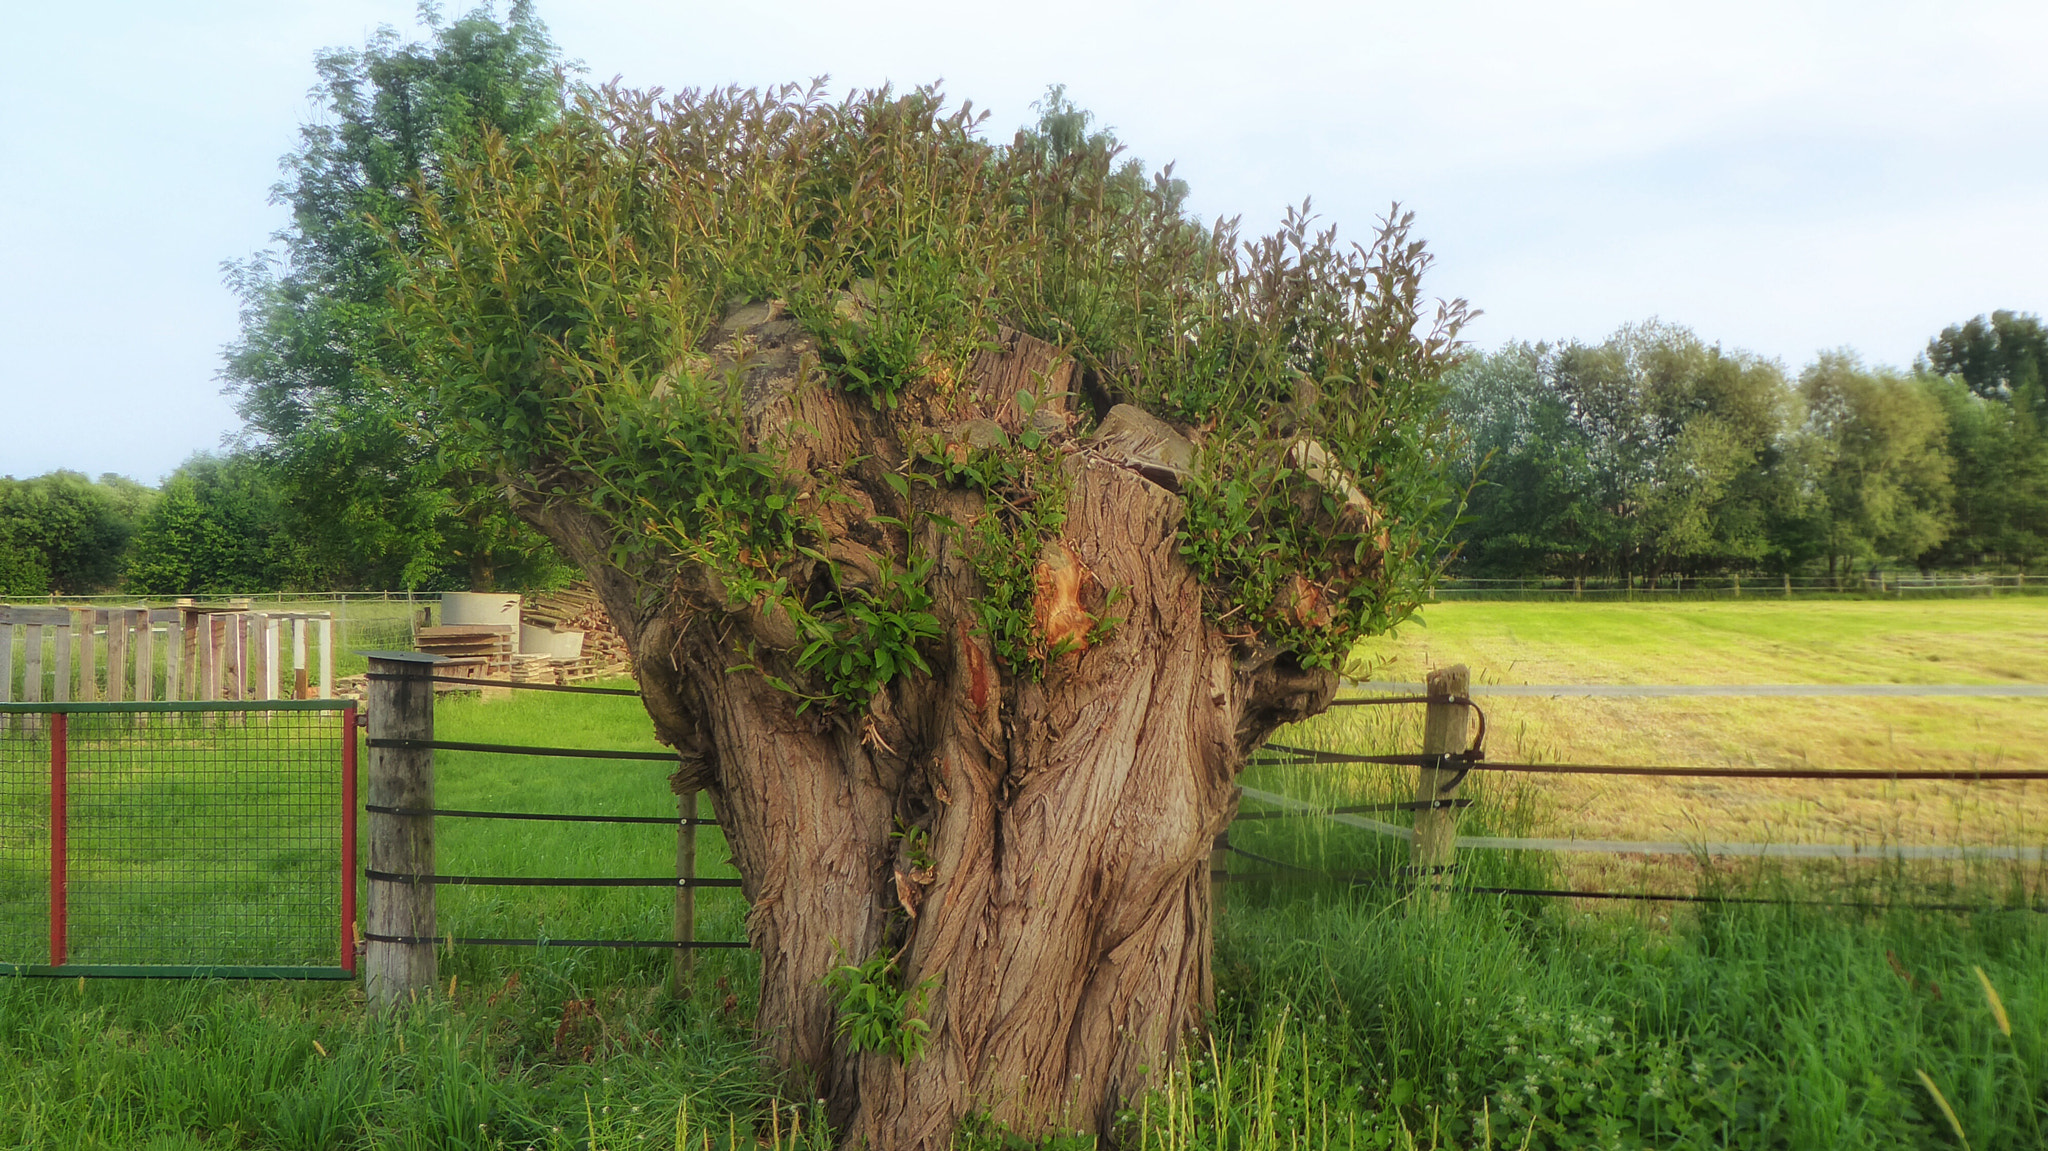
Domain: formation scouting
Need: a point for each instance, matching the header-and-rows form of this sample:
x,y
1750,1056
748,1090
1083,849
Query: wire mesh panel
x,y
189,838
24,838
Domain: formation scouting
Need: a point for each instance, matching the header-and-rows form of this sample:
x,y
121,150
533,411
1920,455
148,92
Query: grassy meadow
x,y
1348,1016
1989,641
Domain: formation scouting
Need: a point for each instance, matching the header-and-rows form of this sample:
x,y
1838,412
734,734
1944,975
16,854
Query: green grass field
x,y
1347,1018
1826,642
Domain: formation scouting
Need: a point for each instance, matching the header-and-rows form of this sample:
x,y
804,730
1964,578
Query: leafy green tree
x,y
1538,504
1649,452
2001,477
1999,357
22,570
1884,466
67,532
331,396
220,526
1997,409
972,515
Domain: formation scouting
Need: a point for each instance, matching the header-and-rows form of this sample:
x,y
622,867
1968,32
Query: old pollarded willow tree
x,y
972,513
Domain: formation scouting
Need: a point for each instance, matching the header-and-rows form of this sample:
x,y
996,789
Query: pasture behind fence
x,y
1446,761
1909,584
402,932
177,839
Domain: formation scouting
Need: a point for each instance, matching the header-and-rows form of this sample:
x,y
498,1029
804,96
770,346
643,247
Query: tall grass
x,y
1347,1016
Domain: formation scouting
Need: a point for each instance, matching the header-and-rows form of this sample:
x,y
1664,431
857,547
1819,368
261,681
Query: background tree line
x,y
1655,453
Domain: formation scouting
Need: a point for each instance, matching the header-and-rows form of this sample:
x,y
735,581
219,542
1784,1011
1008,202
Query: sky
x,y
1781,177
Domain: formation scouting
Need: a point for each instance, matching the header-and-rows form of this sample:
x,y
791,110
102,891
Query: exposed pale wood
x,y
145,656
207,641
1137,439
66,637
117,656
32,665
88,656
1444,732
326,659
265,630
196,633
400,705
299,682
174,657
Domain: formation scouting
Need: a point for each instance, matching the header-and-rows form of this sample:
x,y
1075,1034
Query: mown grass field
x,y
1821,642
1347,1016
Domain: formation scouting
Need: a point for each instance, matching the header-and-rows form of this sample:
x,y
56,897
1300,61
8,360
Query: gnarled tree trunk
x,y
1035,847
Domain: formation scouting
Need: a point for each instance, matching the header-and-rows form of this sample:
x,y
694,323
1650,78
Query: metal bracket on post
x,y
400,705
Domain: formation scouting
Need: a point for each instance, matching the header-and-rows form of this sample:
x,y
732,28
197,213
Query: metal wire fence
x,y
1473,758
1870,584
177,839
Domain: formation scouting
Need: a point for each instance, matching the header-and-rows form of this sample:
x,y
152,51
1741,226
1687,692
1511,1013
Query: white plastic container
x,y
473,607
564,646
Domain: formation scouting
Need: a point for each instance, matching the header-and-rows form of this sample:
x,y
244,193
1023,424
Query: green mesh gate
x,y
178,839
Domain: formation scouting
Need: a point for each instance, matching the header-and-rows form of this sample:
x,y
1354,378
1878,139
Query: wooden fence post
x,y
145,656
683,958
88,656
67,635
1443,733
174,654
8,630
207,637
32,666
399,700
326,658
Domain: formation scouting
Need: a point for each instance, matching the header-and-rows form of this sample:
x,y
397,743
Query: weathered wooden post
x,y
145,656
400,704
326,658
66,635
32,665
88,656
683,958
7,630
174,653
1443,733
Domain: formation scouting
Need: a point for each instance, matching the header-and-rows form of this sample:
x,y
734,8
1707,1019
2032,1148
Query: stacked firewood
x,y
577,608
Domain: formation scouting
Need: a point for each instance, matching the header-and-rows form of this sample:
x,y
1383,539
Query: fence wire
x,y
24,838
193,838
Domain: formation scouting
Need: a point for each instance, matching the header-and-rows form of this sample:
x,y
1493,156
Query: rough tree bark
x,y
1065,914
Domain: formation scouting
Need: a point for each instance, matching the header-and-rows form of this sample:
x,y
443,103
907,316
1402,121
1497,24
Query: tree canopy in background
x,y
1653,453
375,495
220,525
2003,356
65,534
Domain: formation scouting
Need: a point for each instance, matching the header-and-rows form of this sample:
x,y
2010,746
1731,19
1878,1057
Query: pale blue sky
x,y
1782,177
